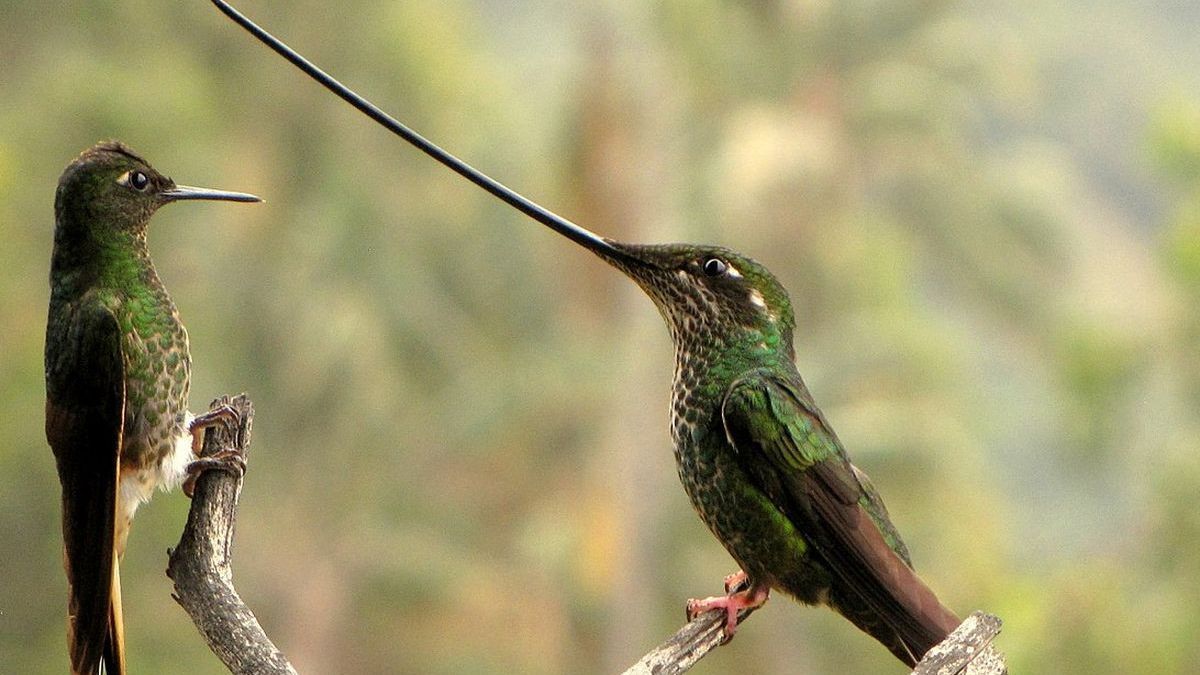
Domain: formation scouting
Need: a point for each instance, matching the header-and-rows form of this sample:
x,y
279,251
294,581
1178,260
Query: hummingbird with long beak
x,y
118,371
759,461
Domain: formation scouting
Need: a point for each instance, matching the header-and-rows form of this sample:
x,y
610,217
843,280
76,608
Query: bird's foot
x,y
223,415
732,602
233,461
735,580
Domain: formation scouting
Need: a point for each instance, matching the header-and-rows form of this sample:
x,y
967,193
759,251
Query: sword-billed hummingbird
x,y
117,377
758,459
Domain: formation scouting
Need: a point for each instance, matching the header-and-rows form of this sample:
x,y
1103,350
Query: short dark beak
x,y
182,192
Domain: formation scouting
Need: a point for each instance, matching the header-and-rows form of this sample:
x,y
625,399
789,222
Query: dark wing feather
x,y
85,412
794,457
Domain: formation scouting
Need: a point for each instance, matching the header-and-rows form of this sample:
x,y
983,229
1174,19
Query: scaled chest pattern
x,y
157,376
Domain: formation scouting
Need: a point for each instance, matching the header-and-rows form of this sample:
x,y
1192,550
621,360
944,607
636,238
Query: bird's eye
x,y
138,180
714,267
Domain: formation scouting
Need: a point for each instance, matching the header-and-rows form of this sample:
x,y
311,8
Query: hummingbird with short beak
x,y
118,371
759,461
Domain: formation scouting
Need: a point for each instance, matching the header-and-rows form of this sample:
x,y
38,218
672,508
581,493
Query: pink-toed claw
x,y
734,580
732,602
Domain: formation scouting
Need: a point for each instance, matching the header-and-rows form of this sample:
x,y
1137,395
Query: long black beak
x,y
182,192
586,238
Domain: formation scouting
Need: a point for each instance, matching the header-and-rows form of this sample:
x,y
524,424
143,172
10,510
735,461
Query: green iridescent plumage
x,y
762,466
117,376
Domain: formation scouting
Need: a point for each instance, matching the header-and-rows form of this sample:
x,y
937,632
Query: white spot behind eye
x,y
123,179
756,298
732,271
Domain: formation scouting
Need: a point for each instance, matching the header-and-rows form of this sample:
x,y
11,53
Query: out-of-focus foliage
x,y
988,215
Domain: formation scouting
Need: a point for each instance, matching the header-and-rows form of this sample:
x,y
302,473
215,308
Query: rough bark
x,y
200,565
967,651
688,645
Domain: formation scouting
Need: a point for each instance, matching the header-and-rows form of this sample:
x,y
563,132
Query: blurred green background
x,y
987,213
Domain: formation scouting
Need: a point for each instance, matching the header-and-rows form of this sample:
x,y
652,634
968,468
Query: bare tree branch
x,y
967,651
688,645
200,564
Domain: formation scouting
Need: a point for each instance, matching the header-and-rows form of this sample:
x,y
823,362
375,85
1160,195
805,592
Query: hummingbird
x,y
758,459
118,373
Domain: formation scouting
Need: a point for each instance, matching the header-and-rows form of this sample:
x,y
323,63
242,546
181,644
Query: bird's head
x,y
707,292
108,189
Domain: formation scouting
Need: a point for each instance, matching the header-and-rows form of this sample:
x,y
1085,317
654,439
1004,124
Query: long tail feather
x,y
114,643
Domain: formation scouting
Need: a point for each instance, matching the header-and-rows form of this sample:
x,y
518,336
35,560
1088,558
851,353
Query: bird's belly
x,y
153,459
757,534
